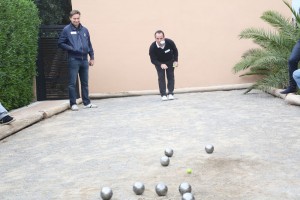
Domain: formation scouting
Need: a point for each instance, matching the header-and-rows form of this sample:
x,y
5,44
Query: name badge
x,y
166,51
73,32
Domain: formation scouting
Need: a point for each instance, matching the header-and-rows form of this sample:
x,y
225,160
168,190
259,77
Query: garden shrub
x,y
19,24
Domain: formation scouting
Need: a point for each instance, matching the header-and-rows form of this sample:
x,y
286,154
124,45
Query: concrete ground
x,y
74,154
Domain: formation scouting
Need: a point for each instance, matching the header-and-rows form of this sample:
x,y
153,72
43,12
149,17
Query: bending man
x,y
164,55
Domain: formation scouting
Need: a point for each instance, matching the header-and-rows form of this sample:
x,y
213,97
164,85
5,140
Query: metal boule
x,y
209,148
138,188
188,196
169,152
164,161
185,188
161,189
106,193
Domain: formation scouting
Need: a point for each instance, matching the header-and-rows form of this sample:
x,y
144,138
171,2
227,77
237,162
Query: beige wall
x,y
205,32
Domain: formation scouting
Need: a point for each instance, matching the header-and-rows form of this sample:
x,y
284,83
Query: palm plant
x,y
270,59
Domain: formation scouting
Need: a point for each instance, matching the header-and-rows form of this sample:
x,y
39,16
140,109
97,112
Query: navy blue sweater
x,y
160,56
76,41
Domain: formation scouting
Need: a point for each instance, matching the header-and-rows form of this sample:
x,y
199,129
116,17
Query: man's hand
x,y
164,66
175,64
91,62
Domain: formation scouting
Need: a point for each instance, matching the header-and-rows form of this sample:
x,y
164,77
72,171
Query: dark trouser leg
x,y
161,80
73,73
171,80
84,81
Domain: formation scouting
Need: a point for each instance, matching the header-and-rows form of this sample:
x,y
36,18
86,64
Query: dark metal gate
x,y
53,75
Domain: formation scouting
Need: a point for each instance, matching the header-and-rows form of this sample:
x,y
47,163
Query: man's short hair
x,y
159,32
74,12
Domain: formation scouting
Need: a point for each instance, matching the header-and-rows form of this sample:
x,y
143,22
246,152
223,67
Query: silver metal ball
x,y
169,152
188,196
161,189
209,148
164,161
106,193
138,188
185,188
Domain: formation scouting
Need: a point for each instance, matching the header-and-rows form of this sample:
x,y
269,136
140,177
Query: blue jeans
x,y
3,111
296,76
81,67
293,63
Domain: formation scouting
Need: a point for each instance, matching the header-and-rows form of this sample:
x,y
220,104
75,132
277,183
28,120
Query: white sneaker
x,y
74,107
91,106
171,97
164,98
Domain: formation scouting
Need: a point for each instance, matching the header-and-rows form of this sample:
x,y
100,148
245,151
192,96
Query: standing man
x,y
164,55
294,57
76,40
4,117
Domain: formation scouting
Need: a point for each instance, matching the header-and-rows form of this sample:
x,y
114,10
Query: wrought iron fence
x,y
53,74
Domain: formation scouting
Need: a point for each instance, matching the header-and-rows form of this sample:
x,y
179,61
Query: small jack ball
x,y
106,193
209,148
189,171
138,188
169,152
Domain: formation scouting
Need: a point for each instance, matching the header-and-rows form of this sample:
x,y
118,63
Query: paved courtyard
x,y
74,154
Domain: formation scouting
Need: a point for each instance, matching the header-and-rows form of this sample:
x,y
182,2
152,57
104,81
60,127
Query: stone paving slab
x,y
73,154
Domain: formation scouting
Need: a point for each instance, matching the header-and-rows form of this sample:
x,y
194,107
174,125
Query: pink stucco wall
x,y
206,34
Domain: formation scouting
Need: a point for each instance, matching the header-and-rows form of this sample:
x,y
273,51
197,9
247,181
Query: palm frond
x,y
260,59
268,61
265,39
295,13
253,52
248,58
283,25
276,20
260,73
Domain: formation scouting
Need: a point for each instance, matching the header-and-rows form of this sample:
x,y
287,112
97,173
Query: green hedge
x,y
19,27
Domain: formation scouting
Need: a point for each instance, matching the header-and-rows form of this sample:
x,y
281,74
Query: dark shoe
x,y
289,90
7,120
